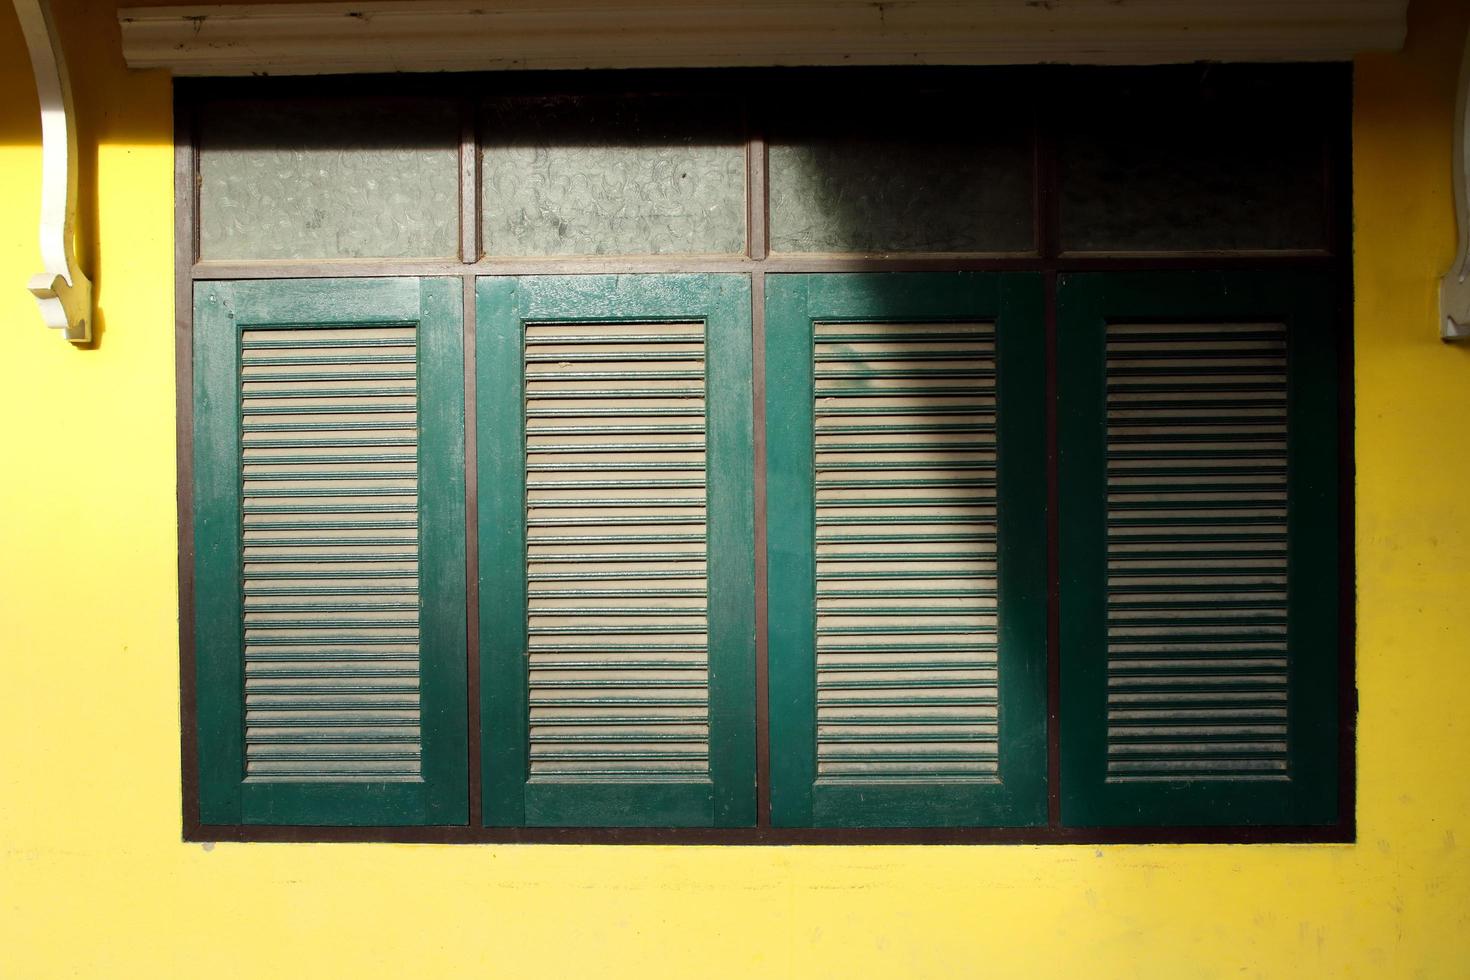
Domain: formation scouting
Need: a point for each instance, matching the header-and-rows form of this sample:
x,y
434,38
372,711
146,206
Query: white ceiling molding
x,y
63,291
1454,288
434,35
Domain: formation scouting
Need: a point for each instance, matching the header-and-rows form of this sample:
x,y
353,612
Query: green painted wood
x,y
500,455
511,796
794,304
222,312
1304,302
1021,340
790,557
442,571
218,636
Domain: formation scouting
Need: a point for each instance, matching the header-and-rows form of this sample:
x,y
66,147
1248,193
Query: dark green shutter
x,y
329,552
616,550
907,548
1199,550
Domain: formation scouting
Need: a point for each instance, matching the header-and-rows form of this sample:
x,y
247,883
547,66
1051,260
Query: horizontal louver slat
x,y
1197,552
616,552
905,468
329,471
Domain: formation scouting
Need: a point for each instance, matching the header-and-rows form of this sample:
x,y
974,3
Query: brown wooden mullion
x,y
762,579
634,265
757,200
1053,568
186,251
1048,246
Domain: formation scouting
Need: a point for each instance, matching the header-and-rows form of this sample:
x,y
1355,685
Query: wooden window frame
x,y
1042,87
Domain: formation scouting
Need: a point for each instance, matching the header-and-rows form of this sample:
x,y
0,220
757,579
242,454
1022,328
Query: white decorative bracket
x,y
1454,288
64,292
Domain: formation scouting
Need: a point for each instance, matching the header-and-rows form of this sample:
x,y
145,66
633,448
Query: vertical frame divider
x,y
1053,562
185,254
757,237
469,246
762,587
1048,244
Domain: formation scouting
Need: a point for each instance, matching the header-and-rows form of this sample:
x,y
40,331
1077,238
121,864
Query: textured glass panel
x,y
1182,162
602,176
329,179
923,174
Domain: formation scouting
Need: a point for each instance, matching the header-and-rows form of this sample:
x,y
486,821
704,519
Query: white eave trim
x,y
435,35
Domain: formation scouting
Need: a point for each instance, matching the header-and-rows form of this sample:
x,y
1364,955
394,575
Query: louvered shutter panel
x,y
1198,480
905,479
616,550
331,553
616,542
906,550
329,549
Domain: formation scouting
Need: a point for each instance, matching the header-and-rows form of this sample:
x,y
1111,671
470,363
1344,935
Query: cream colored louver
x,y
616,564
329,468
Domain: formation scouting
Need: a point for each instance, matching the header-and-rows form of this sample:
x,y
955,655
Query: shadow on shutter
x,y
906,549
1200,584
1196,552
907,677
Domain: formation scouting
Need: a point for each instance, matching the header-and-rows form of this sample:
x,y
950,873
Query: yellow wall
x,y
95,882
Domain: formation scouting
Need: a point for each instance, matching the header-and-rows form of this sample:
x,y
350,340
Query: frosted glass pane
x,y
1166,163
605,176
329,179
919,175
